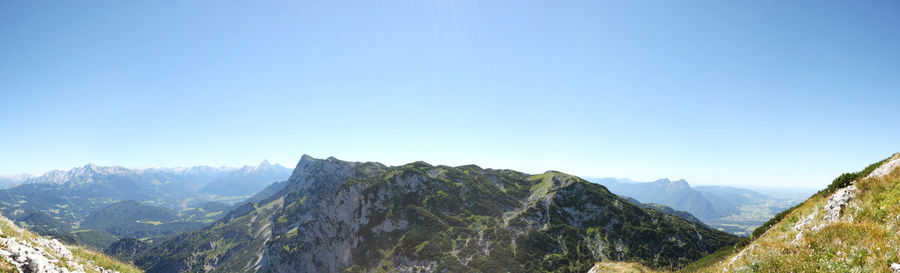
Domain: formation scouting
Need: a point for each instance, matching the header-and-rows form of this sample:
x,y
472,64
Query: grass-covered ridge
x,y
864,239
841,181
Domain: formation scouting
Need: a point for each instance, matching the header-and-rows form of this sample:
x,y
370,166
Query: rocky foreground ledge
x,y
27,252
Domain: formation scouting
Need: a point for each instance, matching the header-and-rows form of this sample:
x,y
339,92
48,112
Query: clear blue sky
x,y
765,93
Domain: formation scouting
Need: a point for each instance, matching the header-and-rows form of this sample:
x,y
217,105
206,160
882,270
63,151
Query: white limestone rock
x,y
837,202
886,168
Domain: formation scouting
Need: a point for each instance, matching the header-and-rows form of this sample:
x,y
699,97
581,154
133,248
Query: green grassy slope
x,y
864,238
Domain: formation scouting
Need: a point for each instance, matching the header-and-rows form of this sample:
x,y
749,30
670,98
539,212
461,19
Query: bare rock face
x,y
837,202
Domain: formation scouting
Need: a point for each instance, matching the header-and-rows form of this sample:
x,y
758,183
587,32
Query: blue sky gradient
x,y
763,93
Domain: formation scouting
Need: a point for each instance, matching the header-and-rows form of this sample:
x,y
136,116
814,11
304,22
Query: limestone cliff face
x,y
319,227
337,216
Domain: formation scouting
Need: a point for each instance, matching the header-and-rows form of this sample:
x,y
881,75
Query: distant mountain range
x,y
247,180
337,216
676,194
731,209
12,180
127,202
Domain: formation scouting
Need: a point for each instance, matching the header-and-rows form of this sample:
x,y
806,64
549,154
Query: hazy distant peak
x,y
14,179
680,183
194,169
671,183
85,174
663,180
91,172
17,177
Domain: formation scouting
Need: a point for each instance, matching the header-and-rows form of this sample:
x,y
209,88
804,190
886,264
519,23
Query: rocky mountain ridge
x,y
247,180
336,216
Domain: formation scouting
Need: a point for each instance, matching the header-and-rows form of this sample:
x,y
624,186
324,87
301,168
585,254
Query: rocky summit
x,y
338,216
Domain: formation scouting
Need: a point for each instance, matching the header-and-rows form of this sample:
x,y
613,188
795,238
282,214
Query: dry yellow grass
x,y
623,267
85,256
865,239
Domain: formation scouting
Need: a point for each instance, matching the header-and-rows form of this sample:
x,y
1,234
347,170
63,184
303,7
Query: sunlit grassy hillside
x,y
863,238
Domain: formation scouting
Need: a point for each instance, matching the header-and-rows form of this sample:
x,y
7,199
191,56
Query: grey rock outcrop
x,y
34,259
39,255
837,202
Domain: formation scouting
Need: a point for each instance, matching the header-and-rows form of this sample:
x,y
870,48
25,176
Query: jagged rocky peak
x,y
676,184
84,174
664,181
96,169
265,165
311,171
680,183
